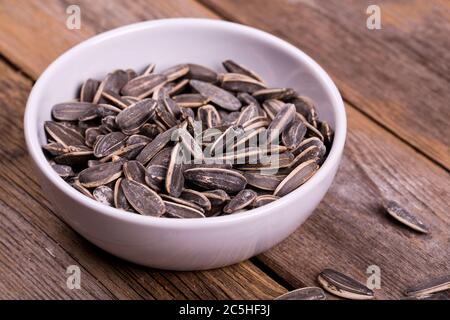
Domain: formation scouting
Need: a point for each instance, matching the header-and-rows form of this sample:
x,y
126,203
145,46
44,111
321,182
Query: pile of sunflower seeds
x,y
186,142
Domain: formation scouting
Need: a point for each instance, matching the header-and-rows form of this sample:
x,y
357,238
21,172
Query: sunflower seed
x,y
183,202
162,157
143,86
294,133
91,135
283,94
100,174
64,171
137,138
305,106
296,178
175,72
150,130
430,286
247,113
241,83
174,178
63,135
216,197
128,152
190,100
155,176
202,73
143,199
115,99
77,186
209,178
226,139
282,119
135,116
263,200
404,216
155,146
272,107
55,148
262,181
88,90
308,293
72,111
104,194
74,158
134,170
176,210
149,69
343,286
327,133
311,153
282,160
109,143
209,115
120,201
218,96
232,66
243,199
190,146
305,144
113,82
176,88
196,198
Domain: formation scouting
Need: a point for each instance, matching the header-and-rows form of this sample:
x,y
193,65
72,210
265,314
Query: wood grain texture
x,y
34,33
36,246
398,75
350,231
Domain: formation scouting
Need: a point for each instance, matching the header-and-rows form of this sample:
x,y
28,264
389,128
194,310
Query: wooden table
x,y
396,86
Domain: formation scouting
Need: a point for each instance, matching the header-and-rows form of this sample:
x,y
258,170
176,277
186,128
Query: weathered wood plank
x,y
34,33
350,231
398,75
38,246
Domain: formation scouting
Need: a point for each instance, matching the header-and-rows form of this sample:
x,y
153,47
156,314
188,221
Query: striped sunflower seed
x,y
279,123
196,198
72,111
209,116
120,201
190,100
63,134
157,144
131,119
143,199
143,86
262,181
100,174
175,72
404,216
283,94
218,96
216,197
88,90
297,177
134,170
308,293
209,178
181,201
109,143
104,194
234,67
243,199
241,83
174,178
263,200
202,73
294,133
155,175
177,210
343,286
429,287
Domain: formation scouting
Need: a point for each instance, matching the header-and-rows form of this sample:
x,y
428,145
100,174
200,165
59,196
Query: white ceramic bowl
x,y
189,244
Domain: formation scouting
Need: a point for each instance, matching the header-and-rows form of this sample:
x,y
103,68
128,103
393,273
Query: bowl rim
x,y
37,155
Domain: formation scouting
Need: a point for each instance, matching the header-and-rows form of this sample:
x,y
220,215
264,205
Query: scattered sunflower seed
x,y
430,286
143,199
343,286
243,199
404,216
308,293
